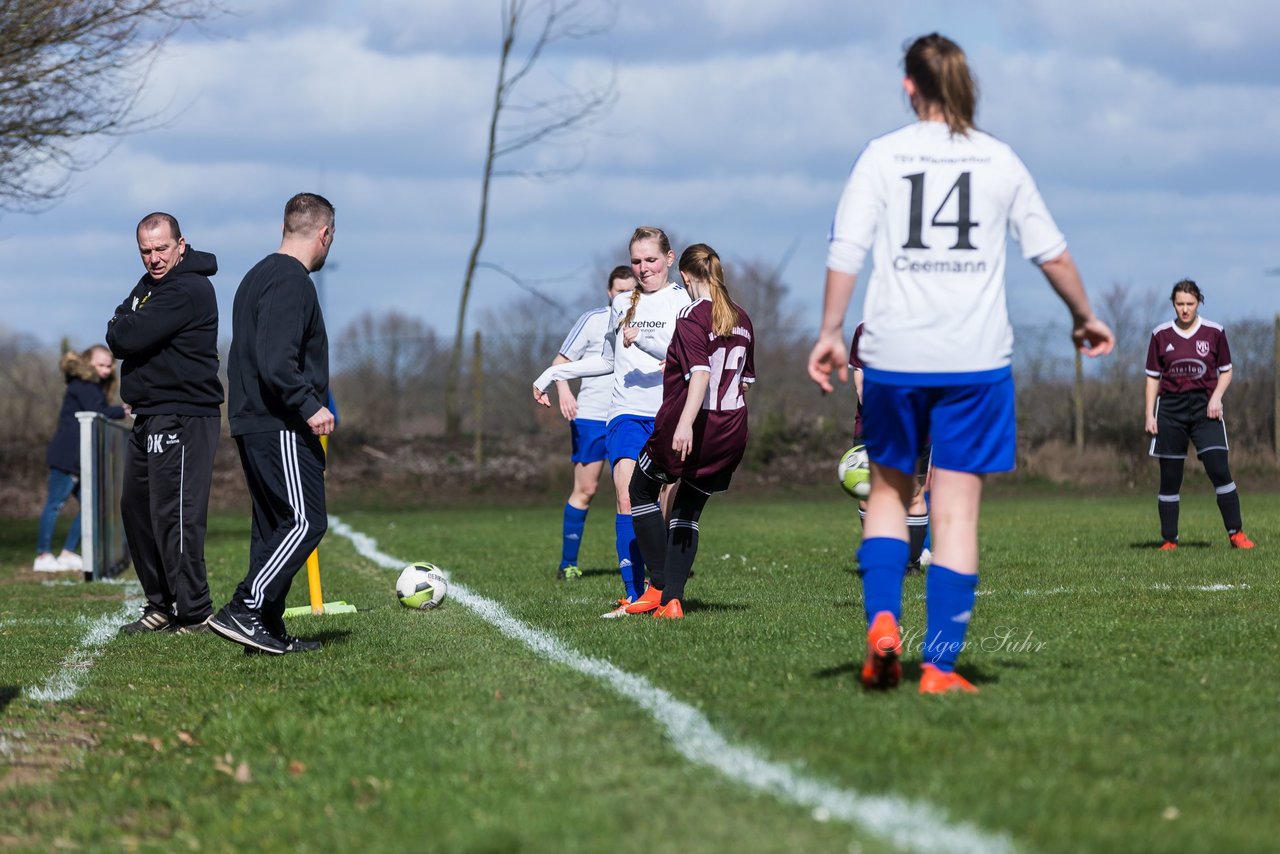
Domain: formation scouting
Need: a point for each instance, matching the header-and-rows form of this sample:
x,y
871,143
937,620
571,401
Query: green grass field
x,y
1129,699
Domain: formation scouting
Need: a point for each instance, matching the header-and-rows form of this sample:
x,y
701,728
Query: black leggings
x,y
668,549
1215,465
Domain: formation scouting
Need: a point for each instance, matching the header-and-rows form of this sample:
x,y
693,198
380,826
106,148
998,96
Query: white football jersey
x,y
586,339
637,379
935,209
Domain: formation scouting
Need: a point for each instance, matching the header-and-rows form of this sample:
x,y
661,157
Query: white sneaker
x,y
46,563
926,558
620,611
70,561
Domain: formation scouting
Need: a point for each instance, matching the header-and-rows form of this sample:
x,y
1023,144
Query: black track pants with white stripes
x,y
284,471
164,504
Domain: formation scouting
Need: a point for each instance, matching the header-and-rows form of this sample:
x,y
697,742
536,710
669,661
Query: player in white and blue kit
x,y
586,414
933,204
640,328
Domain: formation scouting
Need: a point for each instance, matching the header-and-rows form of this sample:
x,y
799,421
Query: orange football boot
x,y
1240,540
882,669
935,681
650,600
673,610
1169,545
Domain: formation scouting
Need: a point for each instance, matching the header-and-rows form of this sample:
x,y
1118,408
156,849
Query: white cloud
x,y
1185,40
737,125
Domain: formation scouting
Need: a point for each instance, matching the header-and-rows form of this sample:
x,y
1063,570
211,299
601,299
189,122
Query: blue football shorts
x,y
972,425
625,437
588,441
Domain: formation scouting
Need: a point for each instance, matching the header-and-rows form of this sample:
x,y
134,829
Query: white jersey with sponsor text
x,y
637,378
637,387
934,209
585,339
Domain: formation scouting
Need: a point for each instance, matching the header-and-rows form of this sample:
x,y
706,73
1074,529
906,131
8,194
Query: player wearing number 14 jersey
x,y
933,204
700,432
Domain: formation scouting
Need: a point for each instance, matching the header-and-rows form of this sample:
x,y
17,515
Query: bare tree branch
x,y
531,286
542,120
72,69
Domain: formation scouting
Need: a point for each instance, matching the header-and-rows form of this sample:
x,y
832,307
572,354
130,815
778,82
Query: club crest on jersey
x,y
1202,348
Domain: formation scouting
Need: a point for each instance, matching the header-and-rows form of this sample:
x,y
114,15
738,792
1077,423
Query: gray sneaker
x,y
200,628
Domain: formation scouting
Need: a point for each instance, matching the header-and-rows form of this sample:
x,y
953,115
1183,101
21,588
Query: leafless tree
x,y
529,29
71,69
382,378
30,392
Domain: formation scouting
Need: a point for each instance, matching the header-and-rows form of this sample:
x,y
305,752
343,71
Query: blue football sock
x,y
628,555
882,562
575,521
949,598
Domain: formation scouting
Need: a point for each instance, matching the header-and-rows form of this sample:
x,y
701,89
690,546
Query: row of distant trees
x,y
388,373
390,382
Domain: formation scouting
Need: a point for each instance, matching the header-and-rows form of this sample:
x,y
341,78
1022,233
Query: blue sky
x,y
1150,127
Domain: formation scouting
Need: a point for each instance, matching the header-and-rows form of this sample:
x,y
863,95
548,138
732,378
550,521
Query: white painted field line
x,y
912,825
1059,591
66,682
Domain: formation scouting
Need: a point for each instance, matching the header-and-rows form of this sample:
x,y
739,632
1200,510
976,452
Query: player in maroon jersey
x,y
1188,372
918,554
700,432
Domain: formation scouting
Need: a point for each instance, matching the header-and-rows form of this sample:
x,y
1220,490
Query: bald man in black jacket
x,y
166,333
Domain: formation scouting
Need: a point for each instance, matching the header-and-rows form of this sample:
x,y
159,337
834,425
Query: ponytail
x,y
631,310
941,73
701,262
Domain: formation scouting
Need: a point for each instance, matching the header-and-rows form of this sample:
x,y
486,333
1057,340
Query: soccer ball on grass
x,y
422,586
855,472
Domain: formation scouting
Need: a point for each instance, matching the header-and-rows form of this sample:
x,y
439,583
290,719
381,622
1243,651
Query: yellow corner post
x,y
318,606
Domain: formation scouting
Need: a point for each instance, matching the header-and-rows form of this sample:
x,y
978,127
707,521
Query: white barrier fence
x,y
103,545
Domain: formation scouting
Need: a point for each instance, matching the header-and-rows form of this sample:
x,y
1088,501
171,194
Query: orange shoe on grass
x,y
1169,546
1240,540
673,610
935,681
882,669
650,600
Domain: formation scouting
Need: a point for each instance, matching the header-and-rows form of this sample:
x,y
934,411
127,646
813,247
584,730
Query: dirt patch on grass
x,y
34,750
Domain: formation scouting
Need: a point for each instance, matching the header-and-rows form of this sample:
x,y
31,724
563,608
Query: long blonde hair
x,y
701,262
942,77
644,232
80,366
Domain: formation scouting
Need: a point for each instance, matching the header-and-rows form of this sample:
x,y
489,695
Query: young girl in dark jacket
x,y
91,379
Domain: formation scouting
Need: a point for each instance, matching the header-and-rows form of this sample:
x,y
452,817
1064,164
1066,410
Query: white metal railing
x,y
104,549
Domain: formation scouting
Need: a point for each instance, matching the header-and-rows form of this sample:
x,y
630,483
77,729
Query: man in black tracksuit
x,y
166,333
278,374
